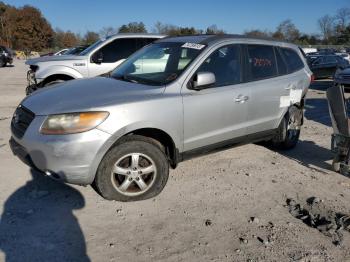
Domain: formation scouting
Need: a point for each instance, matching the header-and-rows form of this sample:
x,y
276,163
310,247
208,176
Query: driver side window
x,y
225,64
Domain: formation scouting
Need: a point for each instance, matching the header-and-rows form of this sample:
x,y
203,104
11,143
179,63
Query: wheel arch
x,y
47,73
161,139
55,77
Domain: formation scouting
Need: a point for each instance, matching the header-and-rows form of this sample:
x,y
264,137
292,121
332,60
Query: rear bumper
x,y
9,60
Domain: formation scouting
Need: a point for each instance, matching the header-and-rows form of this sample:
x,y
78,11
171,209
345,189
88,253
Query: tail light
x,y
312,78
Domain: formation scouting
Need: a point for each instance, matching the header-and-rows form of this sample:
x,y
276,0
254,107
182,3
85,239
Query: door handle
x,y
241,99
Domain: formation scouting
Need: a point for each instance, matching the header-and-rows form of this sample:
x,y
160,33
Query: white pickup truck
x,y
100,58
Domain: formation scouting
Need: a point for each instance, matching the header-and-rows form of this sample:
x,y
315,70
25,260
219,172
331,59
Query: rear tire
x,y
2,63
289,130
134,169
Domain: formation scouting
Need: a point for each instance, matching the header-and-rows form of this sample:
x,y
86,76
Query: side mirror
x,y
203,80
97,58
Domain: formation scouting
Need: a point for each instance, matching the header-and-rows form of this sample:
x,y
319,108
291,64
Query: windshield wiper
x,y
125,78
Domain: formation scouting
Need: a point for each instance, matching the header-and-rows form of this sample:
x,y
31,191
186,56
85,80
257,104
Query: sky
x,y
233,16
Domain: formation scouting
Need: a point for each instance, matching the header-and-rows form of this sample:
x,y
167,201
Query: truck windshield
x,y
158,64
92,47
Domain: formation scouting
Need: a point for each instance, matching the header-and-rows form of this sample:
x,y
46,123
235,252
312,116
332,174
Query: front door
x,y
217,114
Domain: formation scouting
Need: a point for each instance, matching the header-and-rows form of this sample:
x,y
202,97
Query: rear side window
x,y
292,59
281,64
261,62
118,49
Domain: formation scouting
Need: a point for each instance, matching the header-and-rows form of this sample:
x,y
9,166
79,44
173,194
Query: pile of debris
x,y
316,215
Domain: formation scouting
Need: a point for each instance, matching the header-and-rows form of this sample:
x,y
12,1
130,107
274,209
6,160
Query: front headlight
x,y
72,123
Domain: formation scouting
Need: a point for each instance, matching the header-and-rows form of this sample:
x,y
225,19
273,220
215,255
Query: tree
x,y
65,39
257,33
69,39
133,27
24,28
107,31
31,31
343,17
306,39
90,37
288,30
214,30
326,25
168,29
278,35
164,29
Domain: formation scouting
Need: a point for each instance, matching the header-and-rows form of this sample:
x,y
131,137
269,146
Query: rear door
x,y
267,78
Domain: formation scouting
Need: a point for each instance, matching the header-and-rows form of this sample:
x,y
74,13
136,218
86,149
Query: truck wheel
x,y
2,63
134,169
289,129
54,82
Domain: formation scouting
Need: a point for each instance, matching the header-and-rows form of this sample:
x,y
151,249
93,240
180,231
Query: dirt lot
x,y
229,206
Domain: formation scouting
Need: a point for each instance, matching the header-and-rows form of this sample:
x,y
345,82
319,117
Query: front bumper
x,y
32,82
70,158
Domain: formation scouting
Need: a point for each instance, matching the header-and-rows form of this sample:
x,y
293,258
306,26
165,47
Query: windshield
x,y
75,50
92,47
158,64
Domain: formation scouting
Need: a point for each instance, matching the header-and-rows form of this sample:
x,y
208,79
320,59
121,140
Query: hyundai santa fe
x,y
172,100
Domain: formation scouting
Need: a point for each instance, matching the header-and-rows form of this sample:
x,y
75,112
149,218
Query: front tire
x,y
134,169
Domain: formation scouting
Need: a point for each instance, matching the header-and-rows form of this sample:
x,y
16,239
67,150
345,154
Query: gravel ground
x,y
228,206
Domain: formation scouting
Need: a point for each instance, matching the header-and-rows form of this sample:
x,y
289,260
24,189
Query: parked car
x,y
76,50
345,56
61,52
326,65
308,50
47,54
170,101
343,77
99,58
6,56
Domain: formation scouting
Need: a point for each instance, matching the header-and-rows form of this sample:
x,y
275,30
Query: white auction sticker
x,y
193,46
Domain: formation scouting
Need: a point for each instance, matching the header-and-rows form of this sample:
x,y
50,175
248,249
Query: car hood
x,y
87,94
54,58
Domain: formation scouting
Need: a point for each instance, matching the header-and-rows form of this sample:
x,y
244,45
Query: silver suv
x,y
170,101
100,58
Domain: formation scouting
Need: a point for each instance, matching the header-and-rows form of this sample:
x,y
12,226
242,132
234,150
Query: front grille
x,y
21,121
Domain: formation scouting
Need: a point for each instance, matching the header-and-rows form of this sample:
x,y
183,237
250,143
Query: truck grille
x,y
21,121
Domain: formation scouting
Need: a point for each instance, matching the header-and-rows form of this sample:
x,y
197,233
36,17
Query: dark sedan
x,y
343,77
6,56
326,65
